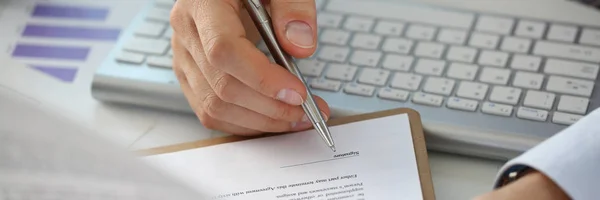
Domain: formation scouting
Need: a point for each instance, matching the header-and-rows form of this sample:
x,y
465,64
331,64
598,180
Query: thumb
x,y
295,25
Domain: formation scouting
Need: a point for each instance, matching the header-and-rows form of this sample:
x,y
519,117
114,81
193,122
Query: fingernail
x,y
325,117
290,97
303,125
300,34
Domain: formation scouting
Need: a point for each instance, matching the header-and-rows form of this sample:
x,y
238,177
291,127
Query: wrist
x,y
532,185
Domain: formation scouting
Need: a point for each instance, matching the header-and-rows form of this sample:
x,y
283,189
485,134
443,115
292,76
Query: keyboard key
x,y
160,61
528,80
428,99
494,75
573,104
397,45
170,53
165,3
393,94
517,45
147,45
441,86
562,33
406,81
359,24
320,4
328,85
169,33
311,67
492,24
451,36
472,90
496,109
565,118
430,50
129,57
493,58
365,58
415,14
482,40
376,77
337,37
461,54
538,99
462,104
397,62
341,72
568,51
358,89
366,41
526,63
159,15
389,28
335,54
430,67
590,37
532,114
570,86
420,32
150,29
329,20
571,68
532,29
462,71
505,95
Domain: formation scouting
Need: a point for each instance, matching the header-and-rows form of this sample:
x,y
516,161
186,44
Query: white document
x,y
44,156
375,160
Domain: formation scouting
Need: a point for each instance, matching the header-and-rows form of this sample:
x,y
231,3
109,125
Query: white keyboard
x,y
476,71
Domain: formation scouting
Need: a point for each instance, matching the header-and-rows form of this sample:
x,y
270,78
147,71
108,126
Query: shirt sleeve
x,y
571,158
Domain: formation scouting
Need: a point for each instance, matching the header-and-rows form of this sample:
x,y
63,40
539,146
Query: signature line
x,y
320,161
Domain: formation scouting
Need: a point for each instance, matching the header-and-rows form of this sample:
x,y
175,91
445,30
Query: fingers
x,y
226,48
295,25
214,112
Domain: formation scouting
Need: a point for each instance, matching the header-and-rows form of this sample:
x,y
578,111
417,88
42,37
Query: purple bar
x,y
66,74
33,30
60,11
53,52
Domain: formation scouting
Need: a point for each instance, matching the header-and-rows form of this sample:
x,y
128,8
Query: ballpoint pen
x,y
262,21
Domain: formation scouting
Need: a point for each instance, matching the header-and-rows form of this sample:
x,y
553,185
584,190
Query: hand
x,y
532,186
231,85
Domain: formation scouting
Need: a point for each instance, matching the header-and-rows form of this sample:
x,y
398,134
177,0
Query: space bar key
x,y
404,12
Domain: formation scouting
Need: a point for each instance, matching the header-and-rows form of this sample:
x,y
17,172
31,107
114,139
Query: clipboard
x,y
416,127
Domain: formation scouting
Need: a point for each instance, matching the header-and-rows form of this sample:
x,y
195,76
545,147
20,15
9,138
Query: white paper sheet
x,y
47,157
375,160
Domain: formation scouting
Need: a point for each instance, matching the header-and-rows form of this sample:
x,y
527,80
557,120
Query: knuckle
x,y
223,88
281,112
177,14
213,106
263,84
207,121
218,50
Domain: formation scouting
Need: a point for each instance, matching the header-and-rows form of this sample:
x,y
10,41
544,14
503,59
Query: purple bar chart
x,y
69,32
62,11
52,29
51,52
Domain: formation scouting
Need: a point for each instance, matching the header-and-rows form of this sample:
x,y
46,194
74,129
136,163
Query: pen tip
x,y
333,148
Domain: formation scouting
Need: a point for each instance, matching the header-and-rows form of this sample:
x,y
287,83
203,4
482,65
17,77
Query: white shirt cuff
x,y
570,158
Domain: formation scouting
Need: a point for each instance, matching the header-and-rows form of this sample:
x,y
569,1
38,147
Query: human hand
x,y
532,186
231,85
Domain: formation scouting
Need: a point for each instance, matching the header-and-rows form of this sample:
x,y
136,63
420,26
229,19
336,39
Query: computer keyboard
x,y
496,82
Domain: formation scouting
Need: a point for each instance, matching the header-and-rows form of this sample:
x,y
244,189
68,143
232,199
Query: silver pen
x,y
262,21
